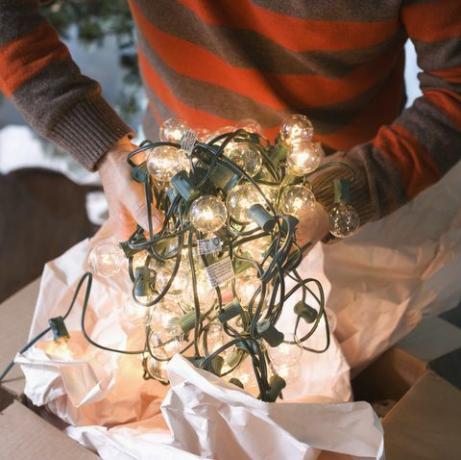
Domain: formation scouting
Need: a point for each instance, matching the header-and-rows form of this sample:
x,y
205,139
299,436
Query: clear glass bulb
x,y
216,337
295,199
250,126
343,220
208,214
286,358
255,249
139,260
165,323
206,294
172,130
245,156
246,286
59,350
218,132
156,368
180,283
165,161
106,259
271,192
296,128
202,134
240,199
304,158
135,312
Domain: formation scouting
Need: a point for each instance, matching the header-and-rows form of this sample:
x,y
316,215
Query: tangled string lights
x,y
213,279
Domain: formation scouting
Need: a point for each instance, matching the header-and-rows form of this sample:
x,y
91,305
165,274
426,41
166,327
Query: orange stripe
x,y
21,59
198,63
411,158
195,117
448,102
453,75
290,32
382,109
434,21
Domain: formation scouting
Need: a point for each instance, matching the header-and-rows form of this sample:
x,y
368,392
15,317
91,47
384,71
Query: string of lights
x,y
212,282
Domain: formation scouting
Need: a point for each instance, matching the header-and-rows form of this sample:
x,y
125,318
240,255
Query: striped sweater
x,y
213,62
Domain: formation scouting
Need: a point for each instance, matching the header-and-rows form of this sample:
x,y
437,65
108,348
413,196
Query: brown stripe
x,y
335,10
210,98
55,89
17,18
227,104
248,49
442,141
429,81
442,54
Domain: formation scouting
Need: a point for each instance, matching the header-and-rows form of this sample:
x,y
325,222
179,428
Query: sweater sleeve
x,y
424,142
39,76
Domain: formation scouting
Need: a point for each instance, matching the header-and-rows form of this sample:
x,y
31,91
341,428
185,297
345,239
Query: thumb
x,y
136,206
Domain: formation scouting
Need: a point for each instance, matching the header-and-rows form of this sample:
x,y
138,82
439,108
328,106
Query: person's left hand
x,y
312,226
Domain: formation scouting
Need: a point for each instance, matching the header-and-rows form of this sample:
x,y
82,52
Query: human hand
x,y
312,226
125,197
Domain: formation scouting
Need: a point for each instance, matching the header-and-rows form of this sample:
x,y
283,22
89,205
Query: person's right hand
x,y
125,197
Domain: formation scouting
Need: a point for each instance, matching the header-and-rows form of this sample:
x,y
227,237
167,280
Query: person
x,y
212,63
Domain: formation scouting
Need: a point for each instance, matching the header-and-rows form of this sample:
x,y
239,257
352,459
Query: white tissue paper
x,y
112,410
379,284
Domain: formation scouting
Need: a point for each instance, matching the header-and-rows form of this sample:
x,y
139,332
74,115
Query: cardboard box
x,y
23,433
426,422
422,421
421,411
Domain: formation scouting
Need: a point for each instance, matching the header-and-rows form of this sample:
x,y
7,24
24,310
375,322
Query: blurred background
x,y
47,201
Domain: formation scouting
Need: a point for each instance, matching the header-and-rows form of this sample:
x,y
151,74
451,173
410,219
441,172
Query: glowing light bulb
x,y
208,214
206,294
246,287
271,192
245,156
295,199
59,350
202,134
139,260
219,132
178,286
296,128
166,161
255,249
343,220
156,368
215,338
172,130
250,126
135,312
286,358
239,201
304,158
106,259
165,324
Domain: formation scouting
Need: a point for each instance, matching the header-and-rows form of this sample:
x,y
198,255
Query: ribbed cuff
x,y
361,197
89,130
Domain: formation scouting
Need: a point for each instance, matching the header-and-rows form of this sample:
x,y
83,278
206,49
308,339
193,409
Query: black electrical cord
x,y
86,276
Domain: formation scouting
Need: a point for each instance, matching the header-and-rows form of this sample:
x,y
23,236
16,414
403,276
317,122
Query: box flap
x,y
26,436
425,423
15,317
389,377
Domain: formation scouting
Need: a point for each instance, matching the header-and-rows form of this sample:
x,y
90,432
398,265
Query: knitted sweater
x,y
213,62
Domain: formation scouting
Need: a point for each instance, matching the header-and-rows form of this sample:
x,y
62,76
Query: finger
x,y
123,224
136,205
